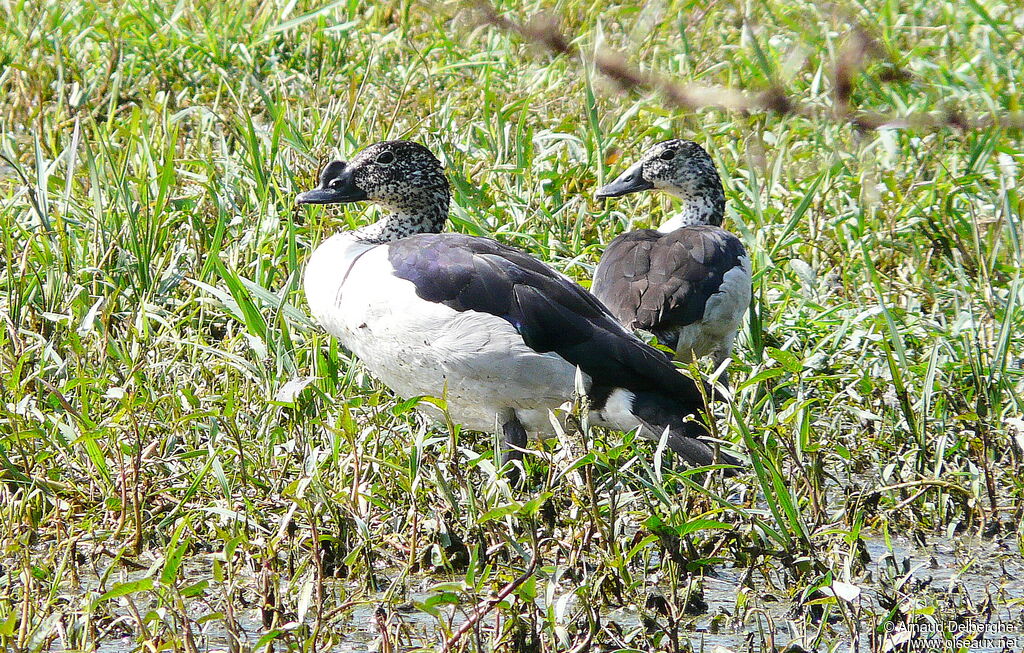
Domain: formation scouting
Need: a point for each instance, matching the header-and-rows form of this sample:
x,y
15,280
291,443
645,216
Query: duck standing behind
x,y
689,281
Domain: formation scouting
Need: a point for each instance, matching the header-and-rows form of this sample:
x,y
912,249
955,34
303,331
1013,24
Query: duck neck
x,y
398,220
702,204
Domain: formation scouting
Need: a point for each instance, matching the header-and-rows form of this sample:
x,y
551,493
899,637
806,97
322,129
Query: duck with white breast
x,y
495,330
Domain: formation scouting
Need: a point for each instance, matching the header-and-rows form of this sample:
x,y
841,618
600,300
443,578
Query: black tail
x,y
659,412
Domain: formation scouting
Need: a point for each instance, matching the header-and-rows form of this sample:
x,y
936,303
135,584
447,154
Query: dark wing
x,y
551,313
656,281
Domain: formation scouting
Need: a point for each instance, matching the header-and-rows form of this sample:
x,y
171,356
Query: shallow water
x,y
964,570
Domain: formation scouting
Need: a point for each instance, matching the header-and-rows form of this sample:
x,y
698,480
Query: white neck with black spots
x,y
425,213
697,209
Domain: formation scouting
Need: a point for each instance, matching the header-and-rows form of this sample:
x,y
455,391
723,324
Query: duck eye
x,y
335,183
386,157
668,155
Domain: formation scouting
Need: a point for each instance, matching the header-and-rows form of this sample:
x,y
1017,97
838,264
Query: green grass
x,y
164,487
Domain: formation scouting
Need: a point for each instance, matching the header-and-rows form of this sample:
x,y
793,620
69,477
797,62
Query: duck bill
x,y
328,196
631,181
333,189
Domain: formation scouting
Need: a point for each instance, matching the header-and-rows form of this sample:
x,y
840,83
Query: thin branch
x,y
485,607
543,30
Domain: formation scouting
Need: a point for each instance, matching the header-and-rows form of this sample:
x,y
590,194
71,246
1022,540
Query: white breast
x,y
419,348
723,314
724,310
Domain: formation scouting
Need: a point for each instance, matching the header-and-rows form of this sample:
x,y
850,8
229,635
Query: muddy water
x,y
951,572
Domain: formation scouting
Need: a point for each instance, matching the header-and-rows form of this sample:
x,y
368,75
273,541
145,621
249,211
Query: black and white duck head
x,y
404,178
680,168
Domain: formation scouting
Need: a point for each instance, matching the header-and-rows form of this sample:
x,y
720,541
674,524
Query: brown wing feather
x,y
656,281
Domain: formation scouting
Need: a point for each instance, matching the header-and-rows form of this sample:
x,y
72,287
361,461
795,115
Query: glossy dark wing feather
x,y
657,282
549,311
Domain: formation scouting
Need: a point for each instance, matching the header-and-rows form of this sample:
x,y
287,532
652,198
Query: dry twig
x,y
543,30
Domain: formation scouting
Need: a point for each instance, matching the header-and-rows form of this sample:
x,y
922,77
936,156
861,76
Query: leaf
x,y
195,589
124,589
639,546
250,313
786,359
845,591
7,627
305,596
177,550
407,405
173,563
290,391
528,590
292,23
266,639
531,507
763,375
499,512
657,525
443,598
90,318
798,213
695,525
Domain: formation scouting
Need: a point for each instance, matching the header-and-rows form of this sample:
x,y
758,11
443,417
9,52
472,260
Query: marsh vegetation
x,y
188,463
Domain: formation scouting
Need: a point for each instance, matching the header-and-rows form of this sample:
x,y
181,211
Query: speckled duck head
x,y
681,168
403,178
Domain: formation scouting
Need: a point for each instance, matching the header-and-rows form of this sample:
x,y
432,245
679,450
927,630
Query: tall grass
x,y
187,462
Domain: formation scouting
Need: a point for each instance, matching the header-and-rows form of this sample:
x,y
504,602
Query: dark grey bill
x,y
337,186
631,181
